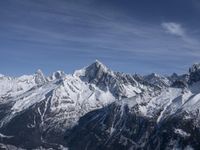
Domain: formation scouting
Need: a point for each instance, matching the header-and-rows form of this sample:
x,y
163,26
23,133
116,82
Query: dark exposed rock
x,y
179,84
115,128
194,73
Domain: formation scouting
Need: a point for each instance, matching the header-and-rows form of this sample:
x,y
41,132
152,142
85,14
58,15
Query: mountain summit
x,y
194,73
93,70
97,108
39,77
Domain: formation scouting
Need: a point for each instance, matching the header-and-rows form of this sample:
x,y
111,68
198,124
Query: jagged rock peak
x,y
39,77
156,79
94,69
154,75
173,77
39,72
195,67
98,65
194,73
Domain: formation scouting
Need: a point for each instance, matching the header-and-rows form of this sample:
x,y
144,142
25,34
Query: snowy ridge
x,y
57,102
91,88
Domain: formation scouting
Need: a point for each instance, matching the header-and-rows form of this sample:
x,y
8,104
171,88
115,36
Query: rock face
x,y
97,108
116,128
120,85
155,79
194,73
112,127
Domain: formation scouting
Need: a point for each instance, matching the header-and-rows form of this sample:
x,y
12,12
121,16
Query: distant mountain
x,y
97,108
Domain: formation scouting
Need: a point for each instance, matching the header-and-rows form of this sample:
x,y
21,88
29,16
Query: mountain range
x,y
96,108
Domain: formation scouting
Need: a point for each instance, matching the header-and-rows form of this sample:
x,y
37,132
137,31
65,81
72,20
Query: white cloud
x,y
174,28
177,30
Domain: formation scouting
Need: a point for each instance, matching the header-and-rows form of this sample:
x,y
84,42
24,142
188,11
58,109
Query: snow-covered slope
x,y
45,107
13,86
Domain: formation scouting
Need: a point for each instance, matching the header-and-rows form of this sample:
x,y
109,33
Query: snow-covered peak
x,y
155,75
39,77
95,70
119,84
1,75
97,66
39,73
57,75
98,63
158,80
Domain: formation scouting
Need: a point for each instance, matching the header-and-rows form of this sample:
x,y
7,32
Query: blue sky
x,y
133,36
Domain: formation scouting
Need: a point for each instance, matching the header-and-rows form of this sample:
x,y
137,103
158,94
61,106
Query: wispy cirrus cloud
x,y
58,31
174,28
178,30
